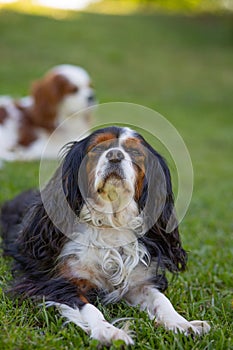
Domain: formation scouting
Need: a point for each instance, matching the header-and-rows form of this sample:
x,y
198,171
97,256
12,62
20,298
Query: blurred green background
x,y
175,57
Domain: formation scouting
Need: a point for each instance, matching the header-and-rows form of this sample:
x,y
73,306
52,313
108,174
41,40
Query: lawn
x,y
180,66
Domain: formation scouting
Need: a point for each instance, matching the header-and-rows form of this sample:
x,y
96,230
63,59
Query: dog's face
x,y
116,172
115,166
63,91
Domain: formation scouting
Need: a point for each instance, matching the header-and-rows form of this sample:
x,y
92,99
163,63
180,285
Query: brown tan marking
x,y
47,93
131,144
83,285
27,133
3,115
100,139
82,297
27,130
93,156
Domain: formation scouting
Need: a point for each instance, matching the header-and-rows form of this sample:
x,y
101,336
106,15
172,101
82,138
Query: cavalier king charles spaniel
x,y
26,124
102,228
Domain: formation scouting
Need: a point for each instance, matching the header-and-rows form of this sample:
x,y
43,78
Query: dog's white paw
x,y
192,327
106,333
200,327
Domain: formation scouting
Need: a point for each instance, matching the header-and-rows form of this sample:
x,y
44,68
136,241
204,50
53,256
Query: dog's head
x,y
63,91
113,167
81,93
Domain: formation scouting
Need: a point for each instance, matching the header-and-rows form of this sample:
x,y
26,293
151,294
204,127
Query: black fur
x,y
165,245
35,242
12,214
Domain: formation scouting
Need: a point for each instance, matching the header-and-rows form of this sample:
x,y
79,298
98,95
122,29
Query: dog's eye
x,y
98,149
74,89
134,152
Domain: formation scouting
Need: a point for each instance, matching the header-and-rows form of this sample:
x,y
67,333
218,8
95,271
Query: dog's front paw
x,y
192,327
106,333
200,327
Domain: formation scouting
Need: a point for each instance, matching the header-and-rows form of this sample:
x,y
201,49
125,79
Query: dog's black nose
x,y
91,98
115,155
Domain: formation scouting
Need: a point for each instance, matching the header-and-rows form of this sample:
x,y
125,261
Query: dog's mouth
x,y
113,173
116,174
111,184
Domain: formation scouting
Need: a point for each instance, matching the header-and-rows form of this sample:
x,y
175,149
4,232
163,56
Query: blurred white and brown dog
x,y
27,124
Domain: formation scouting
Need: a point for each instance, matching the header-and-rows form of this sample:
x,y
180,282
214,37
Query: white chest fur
x,y
108,257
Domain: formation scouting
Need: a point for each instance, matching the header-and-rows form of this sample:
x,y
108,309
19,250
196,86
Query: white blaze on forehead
x,y
76,75
127,133
126,164
124,135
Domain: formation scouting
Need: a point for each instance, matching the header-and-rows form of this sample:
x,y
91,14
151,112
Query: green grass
x,y
182,67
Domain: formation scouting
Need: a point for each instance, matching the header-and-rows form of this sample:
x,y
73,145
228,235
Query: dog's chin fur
x,y
115,195
113,246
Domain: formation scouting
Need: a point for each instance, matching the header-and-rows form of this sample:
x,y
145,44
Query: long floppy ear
x,y
44,110
74,185
157,203
47,93
52,216
62,197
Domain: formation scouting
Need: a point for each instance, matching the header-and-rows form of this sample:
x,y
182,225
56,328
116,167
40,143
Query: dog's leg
x,y
92,321
158,306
